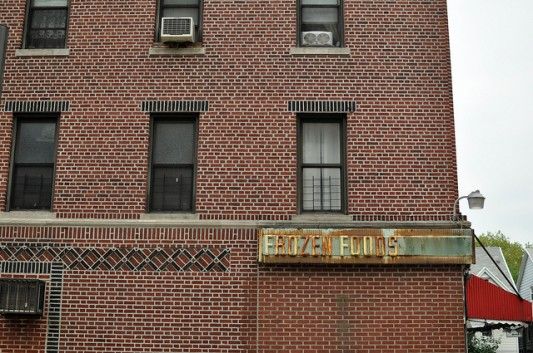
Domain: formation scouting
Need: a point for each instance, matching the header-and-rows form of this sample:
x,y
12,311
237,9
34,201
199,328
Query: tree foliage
x,y
512,251
482,344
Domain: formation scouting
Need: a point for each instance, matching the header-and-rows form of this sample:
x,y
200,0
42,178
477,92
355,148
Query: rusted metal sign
x,y
366,246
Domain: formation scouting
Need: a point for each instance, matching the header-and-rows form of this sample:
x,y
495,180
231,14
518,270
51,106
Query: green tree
x,y
512,251
482,344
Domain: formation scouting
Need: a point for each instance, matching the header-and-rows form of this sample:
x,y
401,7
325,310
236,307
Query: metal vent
x,y
317,38
177,29
175,26
21,296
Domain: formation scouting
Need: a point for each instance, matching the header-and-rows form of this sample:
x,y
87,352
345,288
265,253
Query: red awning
x,y
485,300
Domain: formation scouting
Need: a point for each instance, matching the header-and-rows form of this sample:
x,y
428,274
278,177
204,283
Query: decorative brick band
x,y
406,218
37,106
56,288
174,106
246,217
322,106
121,259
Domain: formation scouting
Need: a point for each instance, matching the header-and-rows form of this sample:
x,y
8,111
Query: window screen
x,y
321,161
173,164
33,163
181,8
320,23
46,25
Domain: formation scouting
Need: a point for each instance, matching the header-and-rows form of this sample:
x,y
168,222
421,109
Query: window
x,y
33,163
321,160
173,164
21,296
46,25
181,8
320,23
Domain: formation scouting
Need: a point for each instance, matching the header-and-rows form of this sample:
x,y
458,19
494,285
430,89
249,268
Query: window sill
x,y
169,216
176,51
37,215
42,52
320,51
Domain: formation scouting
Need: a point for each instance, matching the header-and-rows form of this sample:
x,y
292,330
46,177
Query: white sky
x,y
492,66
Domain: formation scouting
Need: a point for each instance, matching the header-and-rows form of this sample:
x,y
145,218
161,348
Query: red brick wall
x,y
401,155
251,307
400,166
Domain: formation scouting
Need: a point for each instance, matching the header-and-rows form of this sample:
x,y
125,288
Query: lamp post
x,y
476,201
3,45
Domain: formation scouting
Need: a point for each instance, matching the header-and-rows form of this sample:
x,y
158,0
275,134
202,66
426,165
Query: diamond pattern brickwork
x,y
121,259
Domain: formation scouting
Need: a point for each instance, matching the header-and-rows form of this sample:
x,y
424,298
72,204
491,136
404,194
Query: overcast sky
x,y
492,66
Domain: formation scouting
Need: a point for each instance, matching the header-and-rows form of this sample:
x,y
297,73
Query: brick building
x,y
281,180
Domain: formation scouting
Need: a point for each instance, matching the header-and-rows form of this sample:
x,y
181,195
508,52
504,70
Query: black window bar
x,y
21,296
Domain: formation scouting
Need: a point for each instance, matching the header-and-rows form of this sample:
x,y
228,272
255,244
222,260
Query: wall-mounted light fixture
x,y
476,201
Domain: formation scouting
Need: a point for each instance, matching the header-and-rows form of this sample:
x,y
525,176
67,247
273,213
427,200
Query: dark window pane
x,y
321,143
48,18
172,189
173,142
312,15
321,189
35,142
46,39
32,187
182,12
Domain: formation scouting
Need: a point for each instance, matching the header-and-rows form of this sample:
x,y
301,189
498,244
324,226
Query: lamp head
x,y
476,201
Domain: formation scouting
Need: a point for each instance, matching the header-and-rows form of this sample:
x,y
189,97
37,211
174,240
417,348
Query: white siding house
x,y
525,276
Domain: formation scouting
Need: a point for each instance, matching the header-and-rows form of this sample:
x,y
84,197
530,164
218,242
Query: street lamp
x,y
476,201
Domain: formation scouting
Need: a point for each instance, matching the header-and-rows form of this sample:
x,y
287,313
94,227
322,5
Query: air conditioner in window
x,y
177,29
317,38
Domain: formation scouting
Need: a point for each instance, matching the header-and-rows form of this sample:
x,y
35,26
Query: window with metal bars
x,y
173,163
181,8
46,24
320,23
32,175
21,296
321,163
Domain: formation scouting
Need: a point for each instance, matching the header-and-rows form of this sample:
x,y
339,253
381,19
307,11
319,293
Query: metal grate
x,y
322,194
18,296
175,26
37,106
322,106
174,106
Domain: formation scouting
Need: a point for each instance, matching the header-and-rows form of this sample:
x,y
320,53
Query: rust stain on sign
x,y
369,246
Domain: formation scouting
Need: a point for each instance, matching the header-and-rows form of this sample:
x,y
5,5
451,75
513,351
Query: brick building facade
x,y
137,177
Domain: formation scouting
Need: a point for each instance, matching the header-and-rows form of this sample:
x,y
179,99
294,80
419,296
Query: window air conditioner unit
x,y
317,38
177,29
21,297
